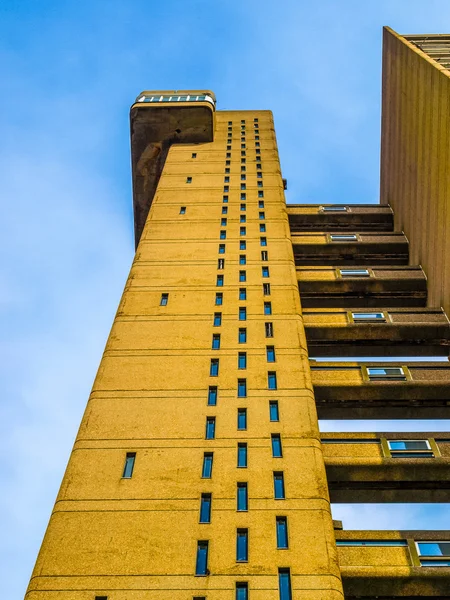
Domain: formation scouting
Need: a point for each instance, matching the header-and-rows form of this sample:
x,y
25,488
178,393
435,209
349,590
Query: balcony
x,y
337,217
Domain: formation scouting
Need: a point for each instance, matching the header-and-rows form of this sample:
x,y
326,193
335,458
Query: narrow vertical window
x,y
276,446
242,360
241,590
269,329
242,545
265,271
284,584
266,289
219,282
207,465
242,293
224,210
220,263
242,276
242,335
216,341
201,567
219,299
129,465
270,353
242,313
274,412
224,199
205,508
243,196
243,207
242,245
242,496
262,228
278,485
242,259
221,248
182,210
262,215
217,319
242,388
242,419
212,395
263,241
223,234
214,367
242,455
242,219
282,535
272,380
243,231
267,308
261,202
210,428
264,255
164,300
223,221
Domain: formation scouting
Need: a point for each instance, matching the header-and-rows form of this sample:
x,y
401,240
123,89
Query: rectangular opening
x,y
274,411
267,308
242,545
201,566
129,465
205,508
212,395
242,455
368,316
242,293
386,373
219,299
388,543
242,419
210,428
242,360
215,341
217,319
242,496
164,300
207,465
278,485
214,367
242,388
282,534
343,237
270,353
410,449
272,380
334,208
241,590
284,584
354,272
277,451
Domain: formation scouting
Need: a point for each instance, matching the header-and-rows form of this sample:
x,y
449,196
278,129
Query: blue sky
x,y
69,72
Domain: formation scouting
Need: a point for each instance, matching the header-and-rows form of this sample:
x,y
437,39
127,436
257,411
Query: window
x,y
205,508
215,341
258,165
276,446
242,496
373,543
278,485
242,245
223,234
101,597
242,419
354,272
258,151
263,241
243,196
243,177
267,308
282,537
242,455
226,179
242,335
182,210
228,155
214,367
265,271
221,248
242,231
270,353
273,410
410,449
217,319
212,395
224,199
386,373
242,360
334,208
201,567
223,222
194,155
261,202
229,147
243,168
262,215
262,228
188,179
260,194
242,388
266,289
243,153
242,293
219,281
343,237
207,465
243,207
227,169
219,298
242,545
224,210
199,598
129,465
434,553
226,188
284,584
269,329
241,591
228,162
230,123
164,300
243,160
272,380
257,144
210,428
264,255
242,313
368,316
256,137
242,275
220,263
242,219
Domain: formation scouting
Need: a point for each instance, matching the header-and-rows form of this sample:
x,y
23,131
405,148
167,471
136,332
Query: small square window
x,y
228,162
221,248
226,188
242,335
228,155
164,300
226,179
262,216
242,293
270,352
194,155
243,186
269,329
227,169
242,152
188,179
258,151
229,147
217,319
242,245
242,275
260,194
243,139
258,166
242,259
219,281
182,210
242,145
223,222
267,308
242,388
230,123
257,144
243,177
256,120
242,313
219,299
243,160
271,380
243,168
242,360
256,137
261,204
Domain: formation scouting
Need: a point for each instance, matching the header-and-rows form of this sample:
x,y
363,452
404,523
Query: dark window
x,y
242,293
225,199
243,160
262,215
242,245
242,276
264,255
284,583
182,210
278,485
207,465
227,169
267,308
129,465
242,496
262,228
224,210
282,536
201,567
243,168
243,186
219,298
228,154
214,367
242,231
212,395
242,219
221,248
242,360
242,455
265,271
243,207
205,508
188,179
257,151
273,410
194,155
258,166
228,162
243,177
226,179
217,319
219,282
242,335
262,241
242,545
223,222
164,300
242,388
210,428
243,196
242,313
220,263
223,235
276,446
261,202
270,352
242,418
228,147
215,341
269,330
266,289
241,591
226,188
272,380
260,194
242,152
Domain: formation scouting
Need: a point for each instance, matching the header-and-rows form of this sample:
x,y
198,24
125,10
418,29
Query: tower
x,y
199,471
